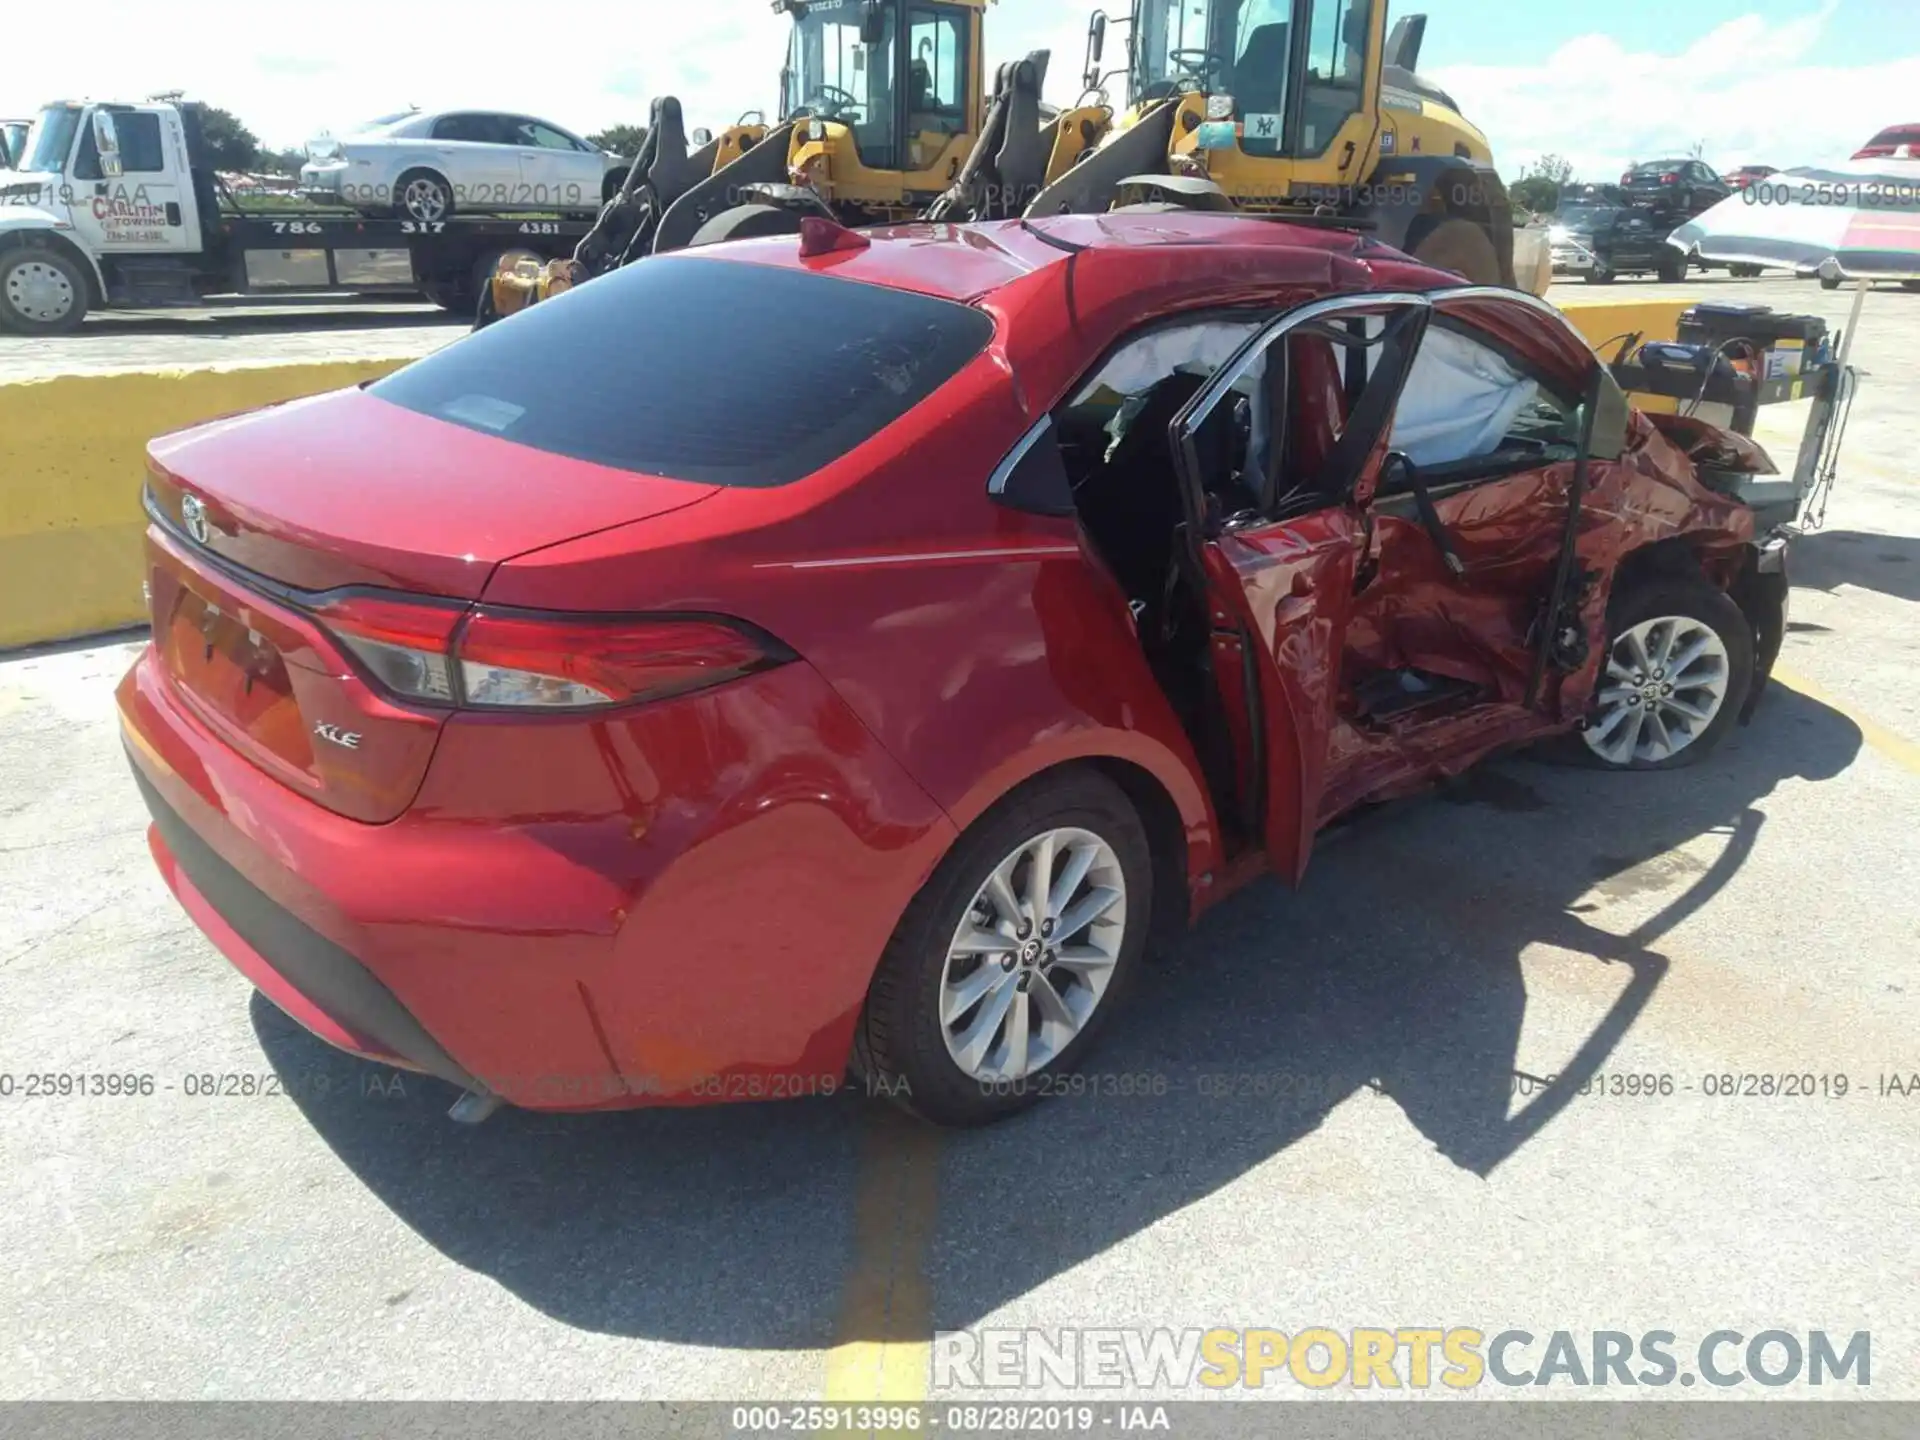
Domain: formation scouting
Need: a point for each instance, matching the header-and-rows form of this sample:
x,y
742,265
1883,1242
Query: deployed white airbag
x,y
1460,400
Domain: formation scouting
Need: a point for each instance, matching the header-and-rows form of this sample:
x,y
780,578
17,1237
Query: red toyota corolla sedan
x,y
794,659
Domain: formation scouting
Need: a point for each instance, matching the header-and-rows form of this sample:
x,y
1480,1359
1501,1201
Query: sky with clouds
x,y
1783,82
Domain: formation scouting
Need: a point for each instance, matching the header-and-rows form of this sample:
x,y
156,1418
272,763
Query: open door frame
x,y
1281,590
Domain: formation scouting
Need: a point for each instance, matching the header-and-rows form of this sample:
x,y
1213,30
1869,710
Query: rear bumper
x,y
679,905
310,978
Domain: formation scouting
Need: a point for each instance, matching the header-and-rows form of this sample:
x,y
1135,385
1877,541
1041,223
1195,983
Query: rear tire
x,y
1679,652
1462,247
934,990
42,292
1600,275
1672,272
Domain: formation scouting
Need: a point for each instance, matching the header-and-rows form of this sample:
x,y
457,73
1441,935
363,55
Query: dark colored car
x,y
1887,144
1596,231
776,660
1682,188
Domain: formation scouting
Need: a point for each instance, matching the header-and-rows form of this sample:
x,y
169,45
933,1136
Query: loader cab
x,y
887,96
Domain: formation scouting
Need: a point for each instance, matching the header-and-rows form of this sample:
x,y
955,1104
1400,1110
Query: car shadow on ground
x,y
1828,559
1395,968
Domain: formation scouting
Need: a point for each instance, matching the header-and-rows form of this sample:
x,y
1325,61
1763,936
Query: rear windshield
x,y
699,369
1654,169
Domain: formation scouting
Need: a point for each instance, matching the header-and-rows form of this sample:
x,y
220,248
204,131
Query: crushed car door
x,y
1472,504
1278,540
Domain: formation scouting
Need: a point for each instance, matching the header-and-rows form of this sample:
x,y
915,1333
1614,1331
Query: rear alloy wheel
x,y
1013,955
1674,680
42,292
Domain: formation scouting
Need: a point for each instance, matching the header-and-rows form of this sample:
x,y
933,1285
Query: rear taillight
x,y
1627,179
402,643
537,660
519,661
1669,178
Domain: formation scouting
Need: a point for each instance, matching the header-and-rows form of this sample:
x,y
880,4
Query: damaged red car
x,y
780,661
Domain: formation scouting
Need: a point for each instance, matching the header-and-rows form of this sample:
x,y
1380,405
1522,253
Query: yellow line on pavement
x,y
1897,748
883,1342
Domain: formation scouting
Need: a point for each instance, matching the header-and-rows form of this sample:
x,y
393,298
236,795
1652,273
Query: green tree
x,y
1538,187
230,145
282,162
620,139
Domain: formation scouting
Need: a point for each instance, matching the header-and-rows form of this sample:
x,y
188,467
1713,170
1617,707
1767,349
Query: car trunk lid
x,y
280,532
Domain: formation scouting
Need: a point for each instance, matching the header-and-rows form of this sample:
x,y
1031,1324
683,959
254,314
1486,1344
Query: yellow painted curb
x,y
72,459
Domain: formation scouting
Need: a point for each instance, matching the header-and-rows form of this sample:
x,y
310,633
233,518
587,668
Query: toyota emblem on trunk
x,y
193,515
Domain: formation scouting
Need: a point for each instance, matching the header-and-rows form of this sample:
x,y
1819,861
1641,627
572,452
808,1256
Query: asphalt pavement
x,y
1328,1107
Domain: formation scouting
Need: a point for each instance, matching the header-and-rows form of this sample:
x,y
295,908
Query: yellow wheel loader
x,y
1299,108
884,116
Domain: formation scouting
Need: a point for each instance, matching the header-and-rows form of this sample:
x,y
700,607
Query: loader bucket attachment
x,y
1403,42
764,164
1007,167
1089,187
627,214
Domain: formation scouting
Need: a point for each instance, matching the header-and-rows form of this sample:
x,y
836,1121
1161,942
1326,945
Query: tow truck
x,y
117,205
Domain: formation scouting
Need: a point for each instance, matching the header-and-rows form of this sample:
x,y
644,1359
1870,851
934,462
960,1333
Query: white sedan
x,y
426,166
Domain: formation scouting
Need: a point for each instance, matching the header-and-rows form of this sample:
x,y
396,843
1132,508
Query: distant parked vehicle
x,y
1743,177
426,166
1686,187
1599,233
13,142
1894,142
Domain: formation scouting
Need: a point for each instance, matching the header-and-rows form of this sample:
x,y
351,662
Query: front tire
x,y
1462,247
746,222
1672,272
424,197
1014,955
42,292
1678,667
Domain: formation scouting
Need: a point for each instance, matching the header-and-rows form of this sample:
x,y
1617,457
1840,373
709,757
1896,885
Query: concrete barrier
x,y
72,462
73,456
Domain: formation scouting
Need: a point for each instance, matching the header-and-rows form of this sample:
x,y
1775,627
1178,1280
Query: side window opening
x,y
937,70
1467,407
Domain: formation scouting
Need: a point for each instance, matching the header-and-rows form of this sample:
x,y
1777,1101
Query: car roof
x,y
969,262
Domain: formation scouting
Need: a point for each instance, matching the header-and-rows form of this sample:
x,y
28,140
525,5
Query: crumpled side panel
x,y
1415,614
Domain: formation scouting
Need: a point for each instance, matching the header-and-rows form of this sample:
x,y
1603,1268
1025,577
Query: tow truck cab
x,y
118,205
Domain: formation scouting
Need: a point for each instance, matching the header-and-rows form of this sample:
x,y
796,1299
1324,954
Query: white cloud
x,y
288,72
1744,89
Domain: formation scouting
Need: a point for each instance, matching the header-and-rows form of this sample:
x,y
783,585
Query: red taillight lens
x,y
1627,179
404,643
1669,178
520,661
531,660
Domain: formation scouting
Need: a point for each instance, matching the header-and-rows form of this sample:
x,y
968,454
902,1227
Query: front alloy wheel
x,y
1032,958
424,198
1666,683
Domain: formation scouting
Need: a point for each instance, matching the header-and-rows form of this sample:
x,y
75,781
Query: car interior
x,y
1272,450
